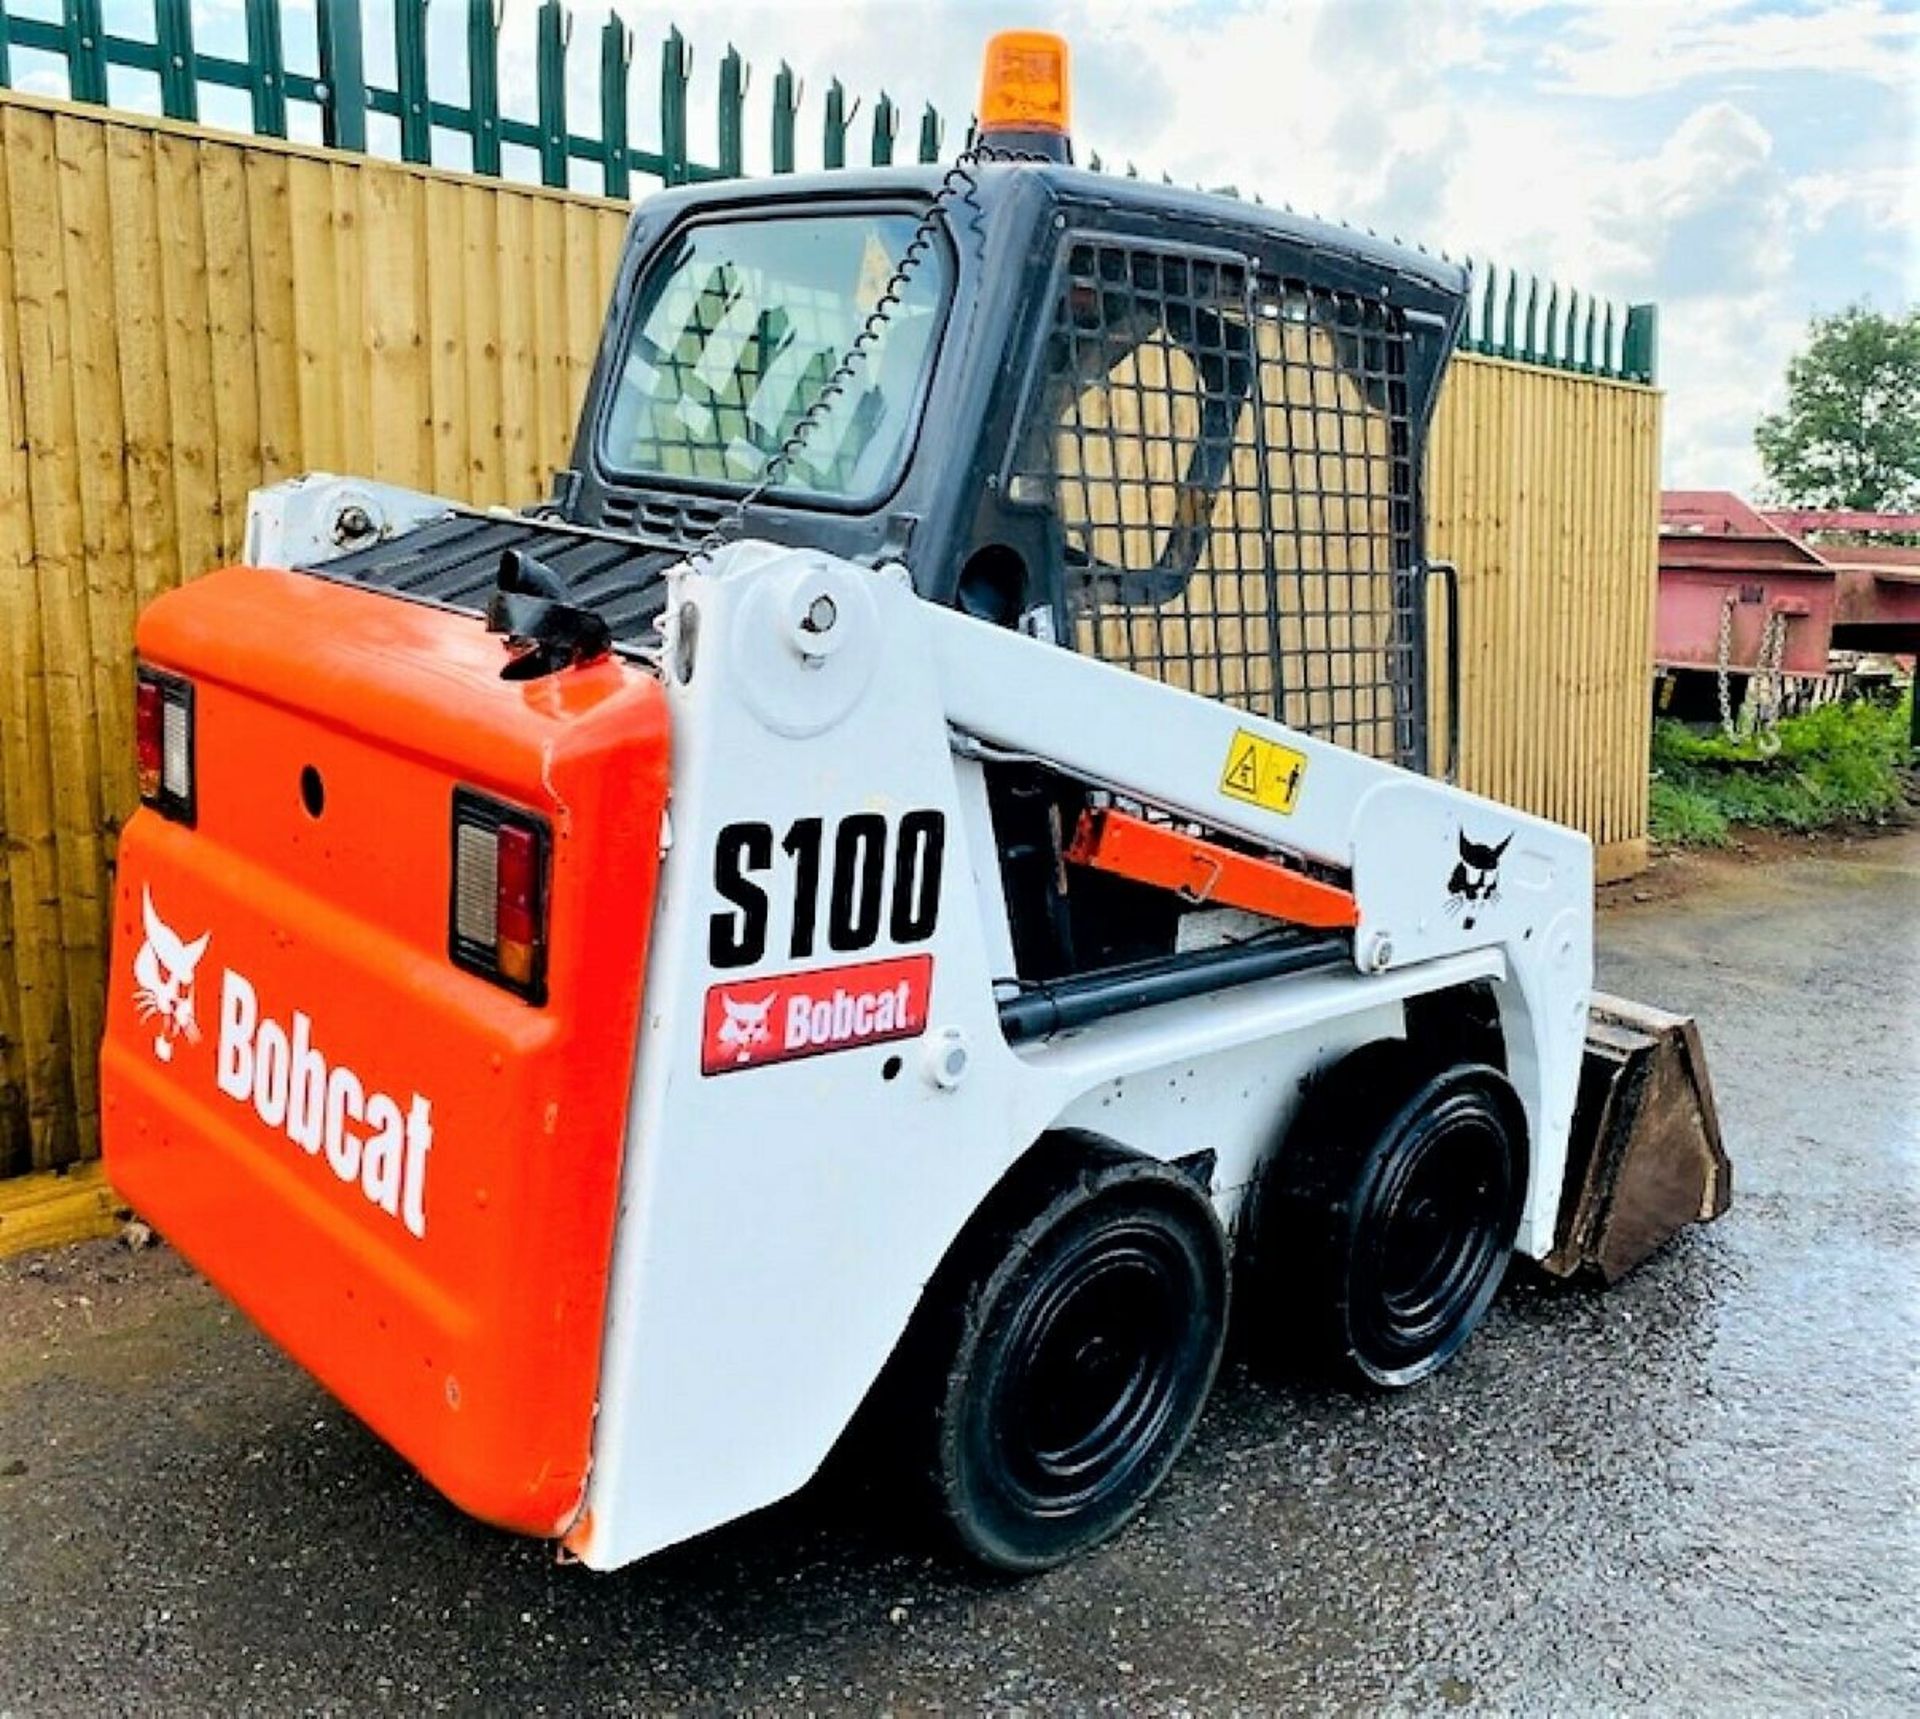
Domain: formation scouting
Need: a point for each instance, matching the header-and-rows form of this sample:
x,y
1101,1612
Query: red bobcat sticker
x,y
754,1021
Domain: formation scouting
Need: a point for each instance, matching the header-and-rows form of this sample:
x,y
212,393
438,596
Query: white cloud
x,y
1723,363
1704,225
1632,50
42,81
1882,196
1709,215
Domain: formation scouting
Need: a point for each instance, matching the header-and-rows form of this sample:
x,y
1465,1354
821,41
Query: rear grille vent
x,y
660,520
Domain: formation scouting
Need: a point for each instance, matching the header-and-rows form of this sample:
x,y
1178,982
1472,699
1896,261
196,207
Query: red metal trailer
x,y
1730,573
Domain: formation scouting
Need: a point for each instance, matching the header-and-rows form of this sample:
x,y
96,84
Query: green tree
x,y
1849,436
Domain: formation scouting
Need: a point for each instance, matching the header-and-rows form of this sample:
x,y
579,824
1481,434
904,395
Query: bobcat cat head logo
x,y
1475,882
745,1025
163,980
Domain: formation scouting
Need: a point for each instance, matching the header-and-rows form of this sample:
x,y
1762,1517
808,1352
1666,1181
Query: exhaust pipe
x,y
1645,1158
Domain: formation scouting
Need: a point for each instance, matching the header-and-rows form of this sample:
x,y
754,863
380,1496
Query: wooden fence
x,y
1544,489
184,315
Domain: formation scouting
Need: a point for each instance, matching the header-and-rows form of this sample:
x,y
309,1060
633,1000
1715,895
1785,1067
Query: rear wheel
x,y
1382,1227
1082,1349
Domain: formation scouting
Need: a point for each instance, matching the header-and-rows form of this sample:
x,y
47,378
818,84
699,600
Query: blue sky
x,y
1747,164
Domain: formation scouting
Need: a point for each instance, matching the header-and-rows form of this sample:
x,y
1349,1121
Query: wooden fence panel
x,y
1544,489
185,315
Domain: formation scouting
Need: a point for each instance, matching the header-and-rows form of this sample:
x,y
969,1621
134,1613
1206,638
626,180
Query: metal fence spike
x,y
786,107
731,113
266,66
173,37
483,85
833,142
1639,343
674,70
616,58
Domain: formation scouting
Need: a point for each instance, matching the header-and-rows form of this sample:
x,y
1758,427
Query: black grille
x,y
1227,452
661,520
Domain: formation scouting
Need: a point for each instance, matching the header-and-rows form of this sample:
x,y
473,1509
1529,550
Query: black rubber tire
x,y
1382,1227
1077,1354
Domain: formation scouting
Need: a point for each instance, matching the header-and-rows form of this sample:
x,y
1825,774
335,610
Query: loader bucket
x,y
1645,1157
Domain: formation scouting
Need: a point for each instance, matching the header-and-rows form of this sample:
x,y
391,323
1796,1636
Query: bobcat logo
x,y
1475,882
745,1025
163,980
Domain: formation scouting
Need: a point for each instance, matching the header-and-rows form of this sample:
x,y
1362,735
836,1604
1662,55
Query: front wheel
x,y
1383,1225
1083,1351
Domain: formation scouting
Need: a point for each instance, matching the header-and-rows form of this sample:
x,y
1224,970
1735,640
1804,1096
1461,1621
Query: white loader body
x,y
824,1093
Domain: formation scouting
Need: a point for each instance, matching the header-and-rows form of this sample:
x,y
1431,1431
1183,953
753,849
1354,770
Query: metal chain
x,y
957,184
1725,654
1764,691
1759,716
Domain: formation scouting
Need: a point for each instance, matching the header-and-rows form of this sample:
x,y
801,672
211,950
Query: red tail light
x,y
516,894
147,737
497,926
163,742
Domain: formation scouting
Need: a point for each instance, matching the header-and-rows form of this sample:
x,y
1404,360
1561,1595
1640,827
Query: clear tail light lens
x,y
163,742
498,912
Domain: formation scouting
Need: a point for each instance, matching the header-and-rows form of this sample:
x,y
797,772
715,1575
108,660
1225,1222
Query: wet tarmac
x,y
1696,1493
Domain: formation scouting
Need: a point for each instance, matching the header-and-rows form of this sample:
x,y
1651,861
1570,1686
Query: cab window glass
x,y
740,325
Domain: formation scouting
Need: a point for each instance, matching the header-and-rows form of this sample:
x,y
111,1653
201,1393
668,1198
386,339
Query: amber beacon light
x,y
1024,94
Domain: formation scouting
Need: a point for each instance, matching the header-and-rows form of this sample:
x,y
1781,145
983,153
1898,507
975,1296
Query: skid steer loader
x,y
923,871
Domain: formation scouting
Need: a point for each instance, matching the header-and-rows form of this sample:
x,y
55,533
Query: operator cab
x,y
1170,428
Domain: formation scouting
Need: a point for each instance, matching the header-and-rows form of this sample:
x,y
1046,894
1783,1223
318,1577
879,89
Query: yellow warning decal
x,y
1263,772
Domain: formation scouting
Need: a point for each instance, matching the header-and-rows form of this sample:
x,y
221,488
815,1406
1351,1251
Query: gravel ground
x,y
1696,1493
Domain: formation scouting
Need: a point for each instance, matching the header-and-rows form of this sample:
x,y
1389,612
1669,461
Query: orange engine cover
x,y
405,1173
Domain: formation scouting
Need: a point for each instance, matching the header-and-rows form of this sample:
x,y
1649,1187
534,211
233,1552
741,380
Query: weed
x,y
1686,817
1837,764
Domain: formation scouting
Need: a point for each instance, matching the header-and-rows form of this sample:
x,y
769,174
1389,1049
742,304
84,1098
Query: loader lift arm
x,y
1393,834
1627,1139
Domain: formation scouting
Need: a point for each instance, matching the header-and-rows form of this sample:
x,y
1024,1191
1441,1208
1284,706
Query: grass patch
x,y
1842,763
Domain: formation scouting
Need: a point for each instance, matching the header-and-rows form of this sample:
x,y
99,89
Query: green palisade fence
x,y
344,98
1507,316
